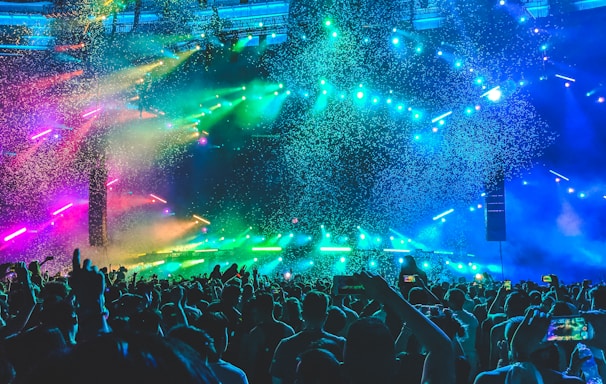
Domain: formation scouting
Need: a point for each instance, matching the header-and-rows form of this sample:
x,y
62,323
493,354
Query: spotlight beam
x,y
201,219
15,234
559,175
441,116
58,211
565,77
41,134
158,198
451,210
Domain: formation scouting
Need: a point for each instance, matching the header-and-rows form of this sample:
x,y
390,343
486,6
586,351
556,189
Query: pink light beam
x,y
15,234
157,198
41,134
58,211
112,182
91,112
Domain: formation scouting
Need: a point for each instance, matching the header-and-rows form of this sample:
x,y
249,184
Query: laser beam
x,y
565,77
451,210
441,116
41,134
201,219
15,234
58,211
92,112
158,198
559,175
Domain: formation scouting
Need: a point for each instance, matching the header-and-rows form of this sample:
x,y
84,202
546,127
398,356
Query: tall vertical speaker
x,y
496,227
97,206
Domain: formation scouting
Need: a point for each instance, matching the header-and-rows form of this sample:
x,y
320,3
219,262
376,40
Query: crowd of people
x,y
237,326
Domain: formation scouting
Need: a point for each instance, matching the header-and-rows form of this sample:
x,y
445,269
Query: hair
x,y
448,322
214,323
455,298
231,293
264,303
196,338
516,303
369,355
315,305
335,321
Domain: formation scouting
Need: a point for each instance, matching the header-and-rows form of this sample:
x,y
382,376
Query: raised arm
x,y
88,285
439,363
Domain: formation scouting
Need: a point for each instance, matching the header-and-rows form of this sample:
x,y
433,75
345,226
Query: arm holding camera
x,y
439,363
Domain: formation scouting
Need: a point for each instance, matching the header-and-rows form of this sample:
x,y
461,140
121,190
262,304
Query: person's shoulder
x,y
333,337
287,329
494,376
228,372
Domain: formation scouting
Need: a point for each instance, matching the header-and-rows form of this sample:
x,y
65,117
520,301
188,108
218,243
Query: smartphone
x,y
546,278
507,285
409,278
346,285
569,328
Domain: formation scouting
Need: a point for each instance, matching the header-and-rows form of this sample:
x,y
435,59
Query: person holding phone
x,y
530,363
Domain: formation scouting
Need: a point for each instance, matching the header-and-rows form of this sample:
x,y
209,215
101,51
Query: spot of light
x,y
458,64
334,34
502,2
280,259
536,30
523,19
582,195
342,259
494,94
439,53
524,182
472,209
401,260
434,129
474,267
600,99
557,179
360,95
460,266
395,41
362,236
570,190
567,84
373,263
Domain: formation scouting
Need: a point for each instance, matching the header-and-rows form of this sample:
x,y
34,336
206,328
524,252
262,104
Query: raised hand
x,y
375,285
86,281
88,284
529,335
